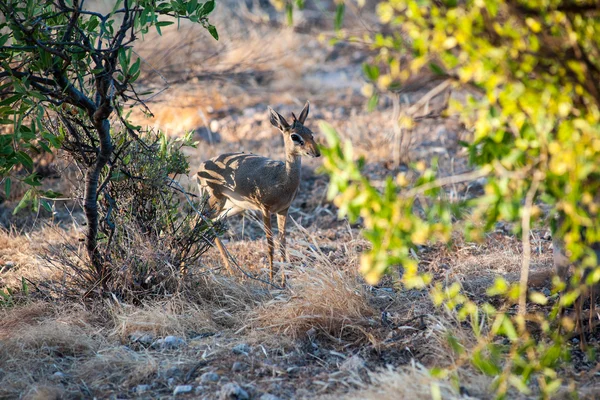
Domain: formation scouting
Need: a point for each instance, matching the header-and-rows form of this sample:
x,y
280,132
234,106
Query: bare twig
x,y
448,180
526,260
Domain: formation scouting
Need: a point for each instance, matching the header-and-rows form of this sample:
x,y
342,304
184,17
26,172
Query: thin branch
x,y
448,180
526,259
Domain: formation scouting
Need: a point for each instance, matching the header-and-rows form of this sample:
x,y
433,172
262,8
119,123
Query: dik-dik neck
x,y
293,163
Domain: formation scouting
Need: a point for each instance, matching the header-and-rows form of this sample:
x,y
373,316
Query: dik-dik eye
x,y
297,139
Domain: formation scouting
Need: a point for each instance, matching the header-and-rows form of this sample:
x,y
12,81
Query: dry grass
x,y
20,253
323,298
42,339
176,316
412,382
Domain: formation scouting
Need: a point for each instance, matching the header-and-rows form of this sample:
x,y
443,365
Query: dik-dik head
x,y
298,138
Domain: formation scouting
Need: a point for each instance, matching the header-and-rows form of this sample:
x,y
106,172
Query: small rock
x,y
238,366
249,112
353,364
173,372
233,391
182,389
268,396
208,377
142,388
169,342
58,376
143,338
10,264
241,348
171,382
546,291
199,389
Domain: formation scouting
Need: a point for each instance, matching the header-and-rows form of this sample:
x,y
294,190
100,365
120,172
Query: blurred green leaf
x,y
339,16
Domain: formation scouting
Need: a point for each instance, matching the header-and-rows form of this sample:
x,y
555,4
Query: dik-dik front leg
x,y
269,233
281,220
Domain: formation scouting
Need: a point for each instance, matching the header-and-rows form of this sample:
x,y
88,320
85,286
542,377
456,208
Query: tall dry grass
x,y
323,298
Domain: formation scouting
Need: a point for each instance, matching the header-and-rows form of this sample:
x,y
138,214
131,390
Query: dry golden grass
x,y
42,339
23,251
322,297
412,382
175,316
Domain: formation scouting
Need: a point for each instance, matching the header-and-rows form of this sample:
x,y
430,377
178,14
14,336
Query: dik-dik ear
x,y
304,113
277,120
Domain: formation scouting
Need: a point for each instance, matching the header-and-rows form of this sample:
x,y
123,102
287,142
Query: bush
x,y
151,230
531,72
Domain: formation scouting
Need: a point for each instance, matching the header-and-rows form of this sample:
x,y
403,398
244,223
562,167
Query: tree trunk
x,y
92,178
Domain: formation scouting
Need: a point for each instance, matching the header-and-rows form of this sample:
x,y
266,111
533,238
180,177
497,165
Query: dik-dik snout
x,y
304,144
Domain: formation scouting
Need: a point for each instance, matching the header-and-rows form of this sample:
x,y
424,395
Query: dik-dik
x,y
236,182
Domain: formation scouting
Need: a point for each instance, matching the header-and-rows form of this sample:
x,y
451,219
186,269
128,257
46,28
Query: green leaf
x,y
436,69
24,201
135,67
93,23
331,135
371,71
46,205
51,194
7,185
24,286
300,4
509,329
123,59
289,12
208,7
33,180
164,23
4,39
372,104
25,160
213,31
486,366
191,6
10,100
339,16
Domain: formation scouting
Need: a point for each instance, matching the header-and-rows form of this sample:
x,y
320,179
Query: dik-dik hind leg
x,y
216,205
224,255
269,233
281,220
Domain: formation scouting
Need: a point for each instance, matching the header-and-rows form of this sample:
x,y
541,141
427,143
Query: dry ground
x,y
329,334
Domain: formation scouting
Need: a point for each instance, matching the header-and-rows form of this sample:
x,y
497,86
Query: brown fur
x,y
235,182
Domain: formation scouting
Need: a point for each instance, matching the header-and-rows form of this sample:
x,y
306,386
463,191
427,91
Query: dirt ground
x,y
328,334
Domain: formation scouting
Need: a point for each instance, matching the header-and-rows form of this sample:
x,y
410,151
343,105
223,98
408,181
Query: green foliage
x,y
67,74
9,297
532,72
47,48
149,225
